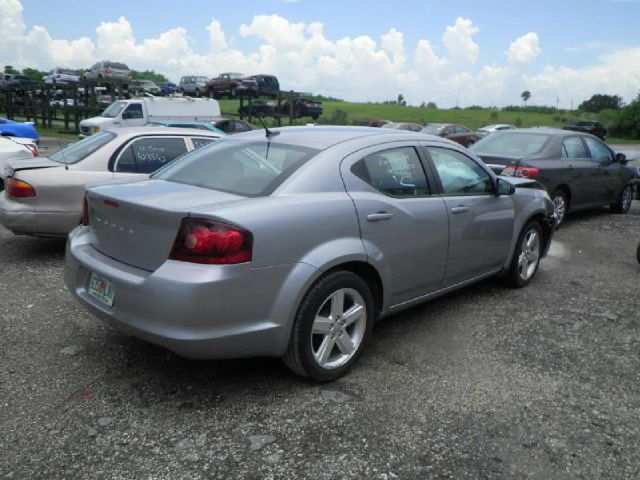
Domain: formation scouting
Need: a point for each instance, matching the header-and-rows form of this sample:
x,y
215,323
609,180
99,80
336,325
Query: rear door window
x,y
395,172
573,148
146,155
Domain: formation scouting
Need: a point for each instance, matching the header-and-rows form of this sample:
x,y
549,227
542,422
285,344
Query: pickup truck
x,y
232,85
302,107
588,126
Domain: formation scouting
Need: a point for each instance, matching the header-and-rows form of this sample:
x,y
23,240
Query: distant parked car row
x,y
577,169
230,85
299,107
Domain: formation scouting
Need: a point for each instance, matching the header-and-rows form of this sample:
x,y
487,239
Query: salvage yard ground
x,y
488,382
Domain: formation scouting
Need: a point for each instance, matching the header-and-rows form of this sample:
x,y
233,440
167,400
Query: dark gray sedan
x,y
578,170
291,243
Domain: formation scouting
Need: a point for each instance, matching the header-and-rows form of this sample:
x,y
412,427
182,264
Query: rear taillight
x,y
204,241
33,149
525,172
107,71
20,188
85,210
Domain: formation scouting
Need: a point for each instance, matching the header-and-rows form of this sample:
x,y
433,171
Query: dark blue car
x,y
168,88
9,128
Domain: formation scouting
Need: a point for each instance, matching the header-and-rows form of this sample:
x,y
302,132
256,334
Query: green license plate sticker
x,y
101,289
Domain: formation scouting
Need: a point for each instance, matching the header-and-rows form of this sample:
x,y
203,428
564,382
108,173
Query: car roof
x,y
544,130
161,130
321,138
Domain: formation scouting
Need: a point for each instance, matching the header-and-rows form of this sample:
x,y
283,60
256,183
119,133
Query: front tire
x,y
331,328
527,255
560,206
623,204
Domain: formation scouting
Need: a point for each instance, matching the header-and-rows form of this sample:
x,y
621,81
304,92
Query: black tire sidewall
x,y
514,277
310,305
560,193
619,207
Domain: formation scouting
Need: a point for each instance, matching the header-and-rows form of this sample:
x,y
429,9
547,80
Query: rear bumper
x,y
23,220
196,311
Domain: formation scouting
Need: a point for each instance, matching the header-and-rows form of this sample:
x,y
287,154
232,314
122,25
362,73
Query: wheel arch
x,y
369,274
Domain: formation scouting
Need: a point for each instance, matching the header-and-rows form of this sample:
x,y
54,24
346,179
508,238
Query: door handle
x,y
376,217
460,209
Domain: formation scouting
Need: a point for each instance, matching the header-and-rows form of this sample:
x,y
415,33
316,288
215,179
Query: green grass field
x,y
473,119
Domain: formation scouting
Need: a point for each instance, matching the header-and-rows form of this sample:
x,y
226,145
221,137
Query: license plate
x,y
101,289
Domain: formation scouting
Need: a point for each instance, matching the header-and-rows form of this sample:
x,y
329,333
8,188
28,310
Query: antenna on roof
x,y
268,133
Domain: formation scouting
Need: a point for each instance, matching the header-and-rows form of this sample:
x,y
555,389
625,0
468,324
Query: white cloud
x,y
524,49
616,73
458,39
361,68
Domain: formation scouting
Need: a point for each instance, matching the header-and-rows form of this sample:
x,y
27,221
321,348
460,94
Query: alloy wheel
x,y
559,208
529,254
338,328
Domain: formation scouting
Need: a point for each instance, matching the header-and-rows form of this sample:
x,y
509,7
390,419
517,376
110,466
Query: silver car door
x,y
480,222
404,228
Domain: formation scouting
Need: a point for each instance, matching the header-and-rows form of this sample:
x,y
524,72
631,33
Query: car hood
x,y
97,121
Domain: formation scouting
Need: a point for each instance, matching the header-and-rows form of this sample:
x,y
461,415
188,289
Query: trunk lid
x,y
495,162
14,165
137,223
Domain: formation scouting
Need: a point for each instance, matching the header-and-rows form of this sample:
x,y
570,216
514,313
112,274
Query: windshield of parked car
x,y
114,109
434,129
243,168
78,151
511,144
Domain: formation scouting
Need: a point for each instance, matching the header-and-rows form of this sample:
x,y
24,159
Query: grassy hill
x,y
471,118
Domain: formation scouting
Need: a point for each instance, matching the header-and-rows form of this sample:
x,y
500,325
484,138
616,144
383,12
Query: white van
x,y
140,111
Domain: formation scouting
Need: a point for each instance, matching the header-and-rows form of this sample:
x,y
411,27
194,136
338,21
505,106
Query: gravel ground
x,y
489,382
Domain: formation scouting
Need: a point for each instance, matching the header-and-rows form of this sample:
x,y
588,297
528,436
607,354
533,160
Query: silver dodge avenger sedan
x,y
292,242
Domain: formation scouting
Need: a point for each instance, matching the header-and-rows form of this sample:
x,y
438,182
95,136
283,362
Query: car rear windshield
x,y
78,151
509,144
117,66
249,169
432,129
68,72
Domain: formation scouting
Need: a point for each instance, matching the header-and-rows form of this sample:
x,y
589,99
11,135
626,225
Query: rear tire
x,y
331,328
527,255
623,204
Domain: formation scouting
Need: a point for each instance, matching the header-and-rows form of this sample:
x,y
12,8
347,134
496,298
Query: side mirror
x,y
504,188
621,158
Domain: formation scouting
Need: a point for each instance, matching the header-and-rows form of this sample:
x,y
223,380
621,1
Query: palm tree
x,y
526,95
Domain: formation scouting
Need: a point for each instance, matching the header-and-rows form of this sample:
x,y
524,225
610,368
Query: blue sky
x,y
573,40
595,26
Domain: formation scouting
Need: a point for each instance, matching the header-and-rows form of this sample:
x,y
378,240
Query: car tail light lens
x,y
204,241
20,188
85,210
524,172
33,149
107,71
